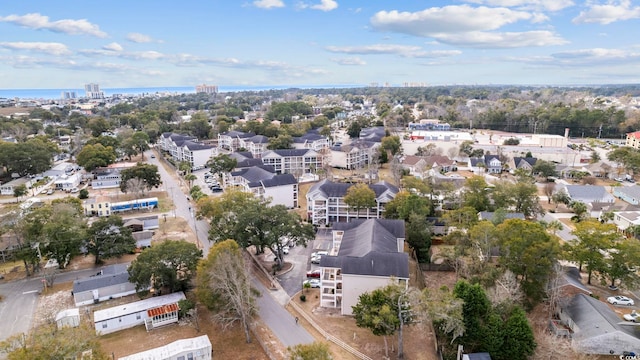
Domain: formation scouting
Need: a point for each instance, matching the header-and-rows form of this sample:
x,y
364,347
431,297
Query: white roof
x,y
135,307
68,313
170,350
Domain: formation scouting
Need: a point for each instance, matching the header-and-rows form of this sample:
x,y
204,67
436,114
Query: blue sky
x,y
141,43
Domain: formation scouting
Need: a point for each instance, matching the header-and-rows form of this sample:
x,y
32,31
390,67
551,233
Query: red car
x,y
313,274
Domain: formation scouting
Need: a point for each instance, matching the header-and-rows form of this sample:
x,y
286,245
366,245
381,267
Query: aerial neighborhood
x,y
425,222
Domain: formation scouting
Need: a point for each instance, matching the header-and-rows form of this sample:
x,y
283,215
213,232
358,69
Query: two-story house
x,y
106,178
365,255
488,163
325,202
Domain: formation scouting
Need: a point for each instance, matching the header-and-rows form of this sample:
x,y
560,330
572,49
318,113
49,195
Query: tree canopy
x,y
95,156
147,173
108,237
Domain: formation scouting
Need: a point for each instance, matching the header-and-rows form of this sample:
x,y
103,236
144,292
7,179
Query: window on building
x,y
104,325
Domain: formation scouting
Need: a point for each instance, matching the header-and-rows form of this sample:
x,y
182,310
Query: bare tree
x,y
136,186
227,277
452,152
506,289
549,189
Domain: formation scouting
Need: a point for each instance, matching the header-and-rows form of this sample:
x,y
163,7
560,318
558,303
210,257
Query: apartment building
x,y
186,148
262,181
293,161
325,202
353,156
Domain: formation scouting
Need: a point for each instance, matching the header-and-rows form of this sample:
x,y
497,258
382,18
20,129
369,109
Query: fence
x,y
328,336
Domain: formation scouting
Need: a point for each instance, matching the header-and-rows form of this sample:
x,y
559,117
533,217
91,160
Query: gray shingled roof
x,y
291,152
631,191
238,134
101,281
364,236
259,139
336,190
253,174
279,180
191,145
373,264
595,318
588,193
308,137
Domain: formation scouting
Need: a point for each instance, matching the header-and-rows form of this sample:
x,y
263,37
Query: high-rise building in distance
x,y
67,95
207,89
92,91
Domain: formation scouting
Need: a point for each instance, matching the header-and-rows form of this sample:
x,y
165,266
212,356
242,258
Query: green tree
x,y
475,310
392,145
622,263
378,311
19,191
405,204
224,286
98,126
48,342
198,126
282,141
463,218
221,164
519,342
593,239
63,232
147,173
360,196
580,210
418,232
108,237
95,156
31,157
170,264
476,194
529,253
525,196
314,351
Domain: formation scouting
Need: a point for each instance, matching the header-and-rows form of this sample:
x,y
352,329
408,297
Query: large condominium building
x,y
92,91
207,89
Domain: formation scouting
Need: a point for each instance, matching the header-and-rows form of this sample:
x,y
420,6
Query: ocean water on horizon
x,y
56,94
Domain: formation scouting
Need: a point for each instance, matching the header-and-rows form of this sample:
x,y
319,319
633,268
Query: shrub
x,y
303,297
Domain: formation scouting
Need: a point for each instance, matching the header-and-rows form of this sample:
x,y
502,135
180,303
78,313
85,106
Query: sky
x,y
140,43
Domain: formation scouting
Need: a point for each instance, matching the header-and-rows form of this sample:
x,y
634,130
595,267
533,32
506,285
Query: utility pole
x,y
599,131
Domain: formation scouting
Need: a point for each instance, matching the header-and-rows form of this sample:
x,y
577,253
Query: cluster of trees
x,y
140,178
31,157
59,230
101,151
253,221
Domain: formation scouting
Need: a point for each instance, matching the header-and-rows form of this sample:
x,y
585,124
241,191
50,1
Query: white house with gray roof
x,y
588,193
597,329
112,282
197,348
311,140
325,202
365,255
256,144
626,219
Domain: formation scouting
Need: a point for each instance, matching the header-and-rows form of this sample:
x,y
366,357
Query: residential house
x,y
197,348
416,165
68,182
142,223
633,140
262,181
325,202
97,206
487,164
567,284
152,312
356,155
365,255
422,166
172,142
588,193
524,163
106,178
311,140
9,187
597,329
626,219
293,161
112,282
630,194
102,205
599,169
476,356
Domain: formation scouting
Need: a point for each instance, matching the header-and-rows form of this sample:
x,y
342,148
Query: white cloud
x,y
608,13
542,5
467,26
349,61
390,49
67,26
114,46
139,38
29,62
584,57
496,40
41,47
326,5
268,4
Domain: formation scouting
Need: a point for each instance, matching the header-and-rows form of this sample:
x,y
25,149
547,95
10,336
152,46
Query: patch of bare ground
x,y
174,229
227,343
418,339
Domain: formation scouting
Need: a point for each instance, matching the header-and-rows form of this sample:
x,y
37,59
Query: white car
x,y
634,316
620,300
313,283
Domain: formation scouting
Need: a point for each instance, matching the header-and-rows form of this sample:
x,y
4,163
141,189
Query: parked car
x,y
153,156
620,300
313,274
74,190
285,249
50,192
634,316
313,283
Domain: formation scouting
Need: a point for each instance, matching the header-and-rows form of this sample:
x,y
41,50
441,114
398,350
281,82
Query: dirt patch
x,y
174,229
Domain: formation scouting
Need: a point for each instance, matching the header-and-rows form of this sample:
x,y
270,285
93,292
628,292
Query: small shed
x,y
197,348
68,318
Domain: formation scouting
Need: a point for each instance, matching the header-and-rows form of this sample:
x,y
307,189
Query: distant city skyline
x,y
312,42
